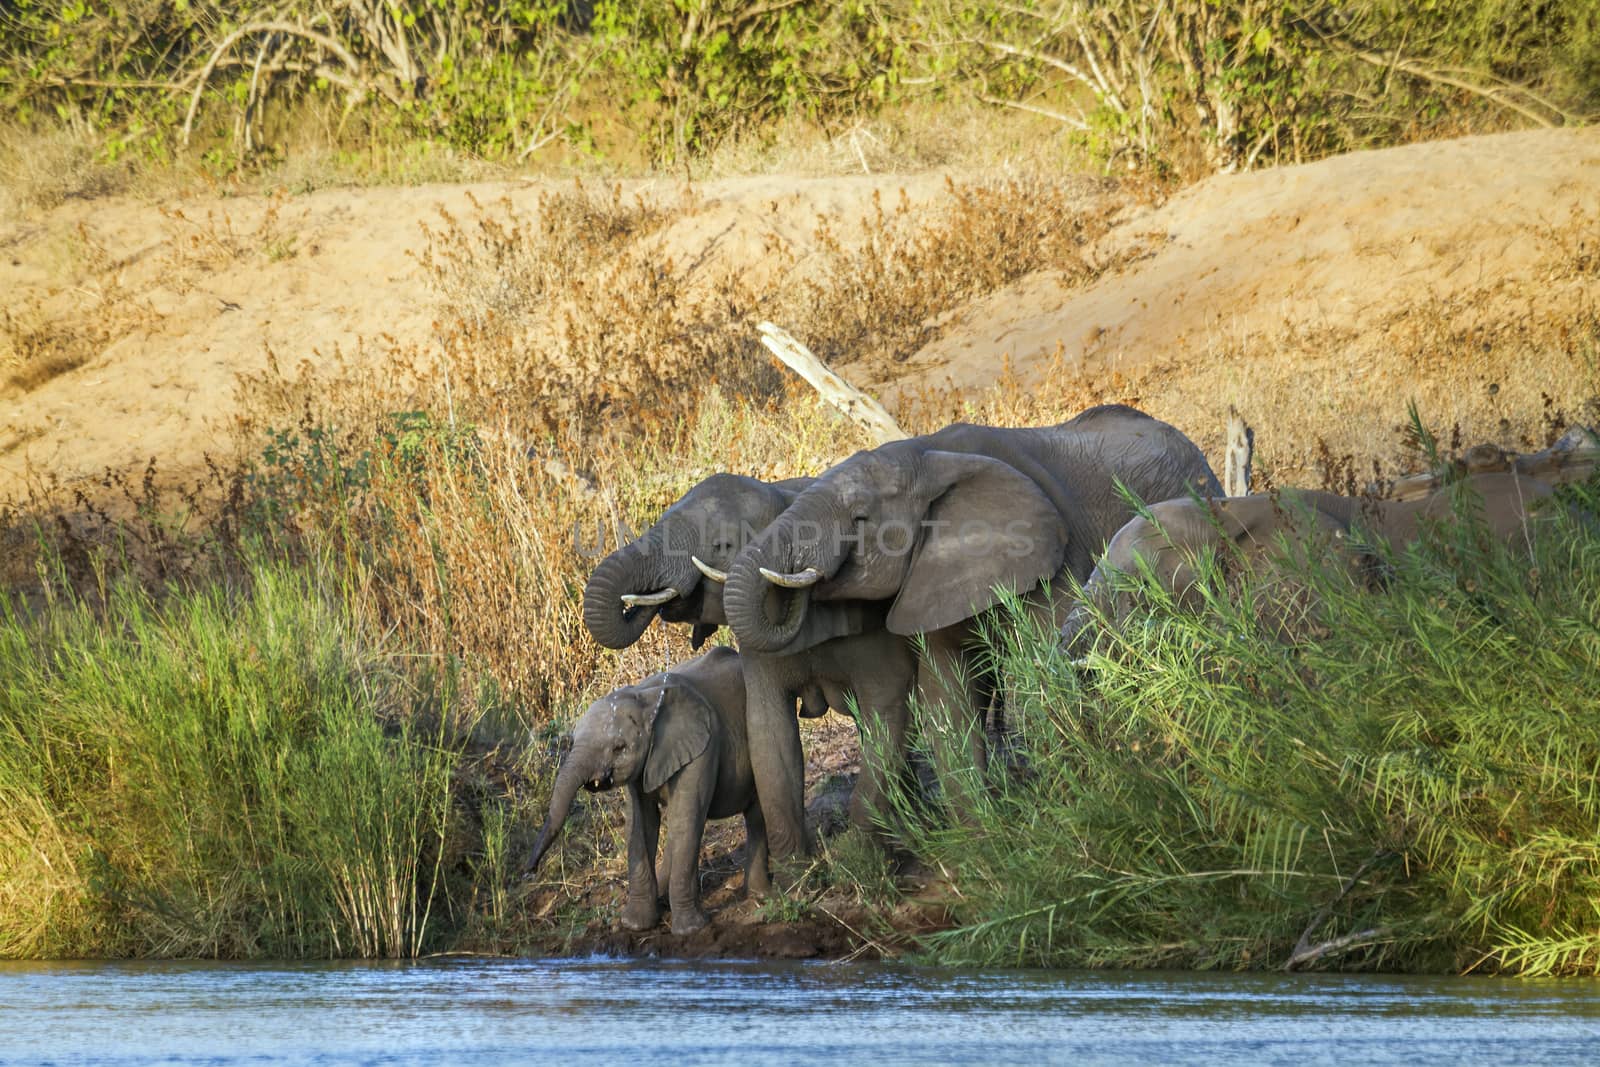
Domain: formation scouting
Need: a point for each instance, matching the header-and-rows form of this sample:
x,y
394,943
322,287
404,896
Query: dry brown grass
x,y
877,294
38,344
199,244
40,168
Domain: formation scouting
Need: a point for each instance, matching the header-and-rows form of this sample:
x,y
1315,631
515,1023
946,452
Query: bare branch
x,y
1360,939
1494,94
1048,60
322,40
1077,124
858,406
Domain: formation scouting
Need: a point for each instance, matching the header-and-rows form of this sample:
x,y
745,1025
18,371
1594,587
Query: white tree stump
x,y
1239,453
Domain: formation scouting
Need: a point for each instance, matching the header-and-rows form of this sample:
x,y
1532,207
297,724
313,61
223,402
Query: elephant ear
x,y
990,528
680,733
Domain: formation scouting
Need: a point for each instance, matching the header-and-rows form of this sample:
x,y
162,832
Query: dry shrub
x,y
474,547
576,315
43,167
39,343
36,349
200,245
879,294
494,274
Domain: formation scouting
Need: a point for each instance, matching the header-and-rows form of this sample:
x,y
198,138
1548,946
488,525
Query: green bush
x,y
1411,787
1186,86
497,80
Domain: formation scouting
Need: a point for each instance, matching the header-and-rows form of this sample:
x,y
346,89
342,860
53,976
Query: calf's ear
x,y
680,733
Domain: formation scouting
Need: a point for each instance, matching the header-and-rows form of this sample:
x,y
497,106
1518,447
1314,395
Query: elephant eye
x,y
619,746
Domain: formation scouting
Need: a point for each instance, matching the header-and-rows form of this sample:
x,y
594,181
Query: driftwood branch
x,y
1237,458
1306,952
858,406
1571,459
1359,939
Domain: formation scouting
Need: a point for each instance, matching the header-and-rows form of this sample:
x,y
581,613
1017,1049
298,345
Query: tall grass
x,y
1410,787
236,771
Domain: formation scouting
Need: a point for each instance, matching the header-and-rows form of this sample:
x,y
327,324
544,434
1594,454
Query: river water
x,y
477,1012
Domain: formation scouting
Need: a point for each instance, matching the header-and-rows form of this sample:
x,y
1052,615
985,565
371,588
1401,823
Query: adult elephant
x,y
843,656
1253,533
933,528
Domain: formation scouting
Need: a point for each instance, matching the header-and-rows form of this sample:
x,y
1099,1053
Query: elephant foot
x,y
757,884
640,915
689,921
785,877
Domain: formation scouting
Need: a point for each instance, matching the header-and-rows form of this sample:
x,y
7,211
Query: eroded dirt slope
x,y
1340,247
1337,284
165,304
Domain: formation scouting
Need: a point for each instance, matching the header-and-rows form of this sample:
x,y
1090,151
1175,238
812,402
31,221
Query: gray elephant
x,y
841,656
931,528
1251,533
675,740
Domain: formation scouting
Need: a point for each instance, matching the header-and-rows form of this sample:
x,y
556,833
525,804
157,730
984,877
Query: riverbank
x,y
246,769
295,686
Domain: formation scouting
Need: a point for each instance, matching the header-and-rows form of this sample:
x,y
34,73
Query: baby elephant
x,y
677,740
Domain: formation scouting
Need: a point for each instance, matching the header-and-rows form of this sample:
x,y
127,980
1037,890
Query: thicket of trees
x,y
1199,85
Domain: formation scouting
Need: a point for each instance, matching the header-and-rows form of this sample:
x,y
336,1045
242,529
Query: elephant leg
x,y
949,703
644,828
692,791
882,717
663,874
757,880
775,757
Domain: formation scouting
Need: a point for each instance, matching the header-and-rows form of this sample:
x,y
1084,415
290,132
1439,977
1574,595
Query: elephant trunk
x,y
631,587
568,780
768,593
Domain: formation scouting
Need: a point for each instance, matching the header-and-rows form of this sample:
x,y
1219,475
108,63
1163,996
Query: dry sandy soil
x,y
1276,288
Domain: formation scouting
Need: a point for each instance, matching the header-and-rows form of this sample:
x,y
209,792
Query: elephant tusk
x,y
708,570
649,600
803,580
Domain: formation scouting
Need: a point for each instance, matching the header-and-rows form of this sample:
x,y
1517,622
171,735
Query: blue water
x,y
475,1011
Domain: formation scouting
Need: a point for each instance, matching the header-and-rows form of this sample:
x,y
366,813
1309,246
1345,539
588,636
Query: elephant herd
x,y
863,589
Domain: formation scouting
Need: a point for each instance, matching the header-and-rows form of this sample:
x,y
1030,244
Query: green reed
x,y
236,772
1408,784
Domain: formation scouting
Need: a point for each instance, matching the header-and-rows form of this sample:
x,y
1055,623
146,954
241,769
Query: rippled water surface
x,y
528,1011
